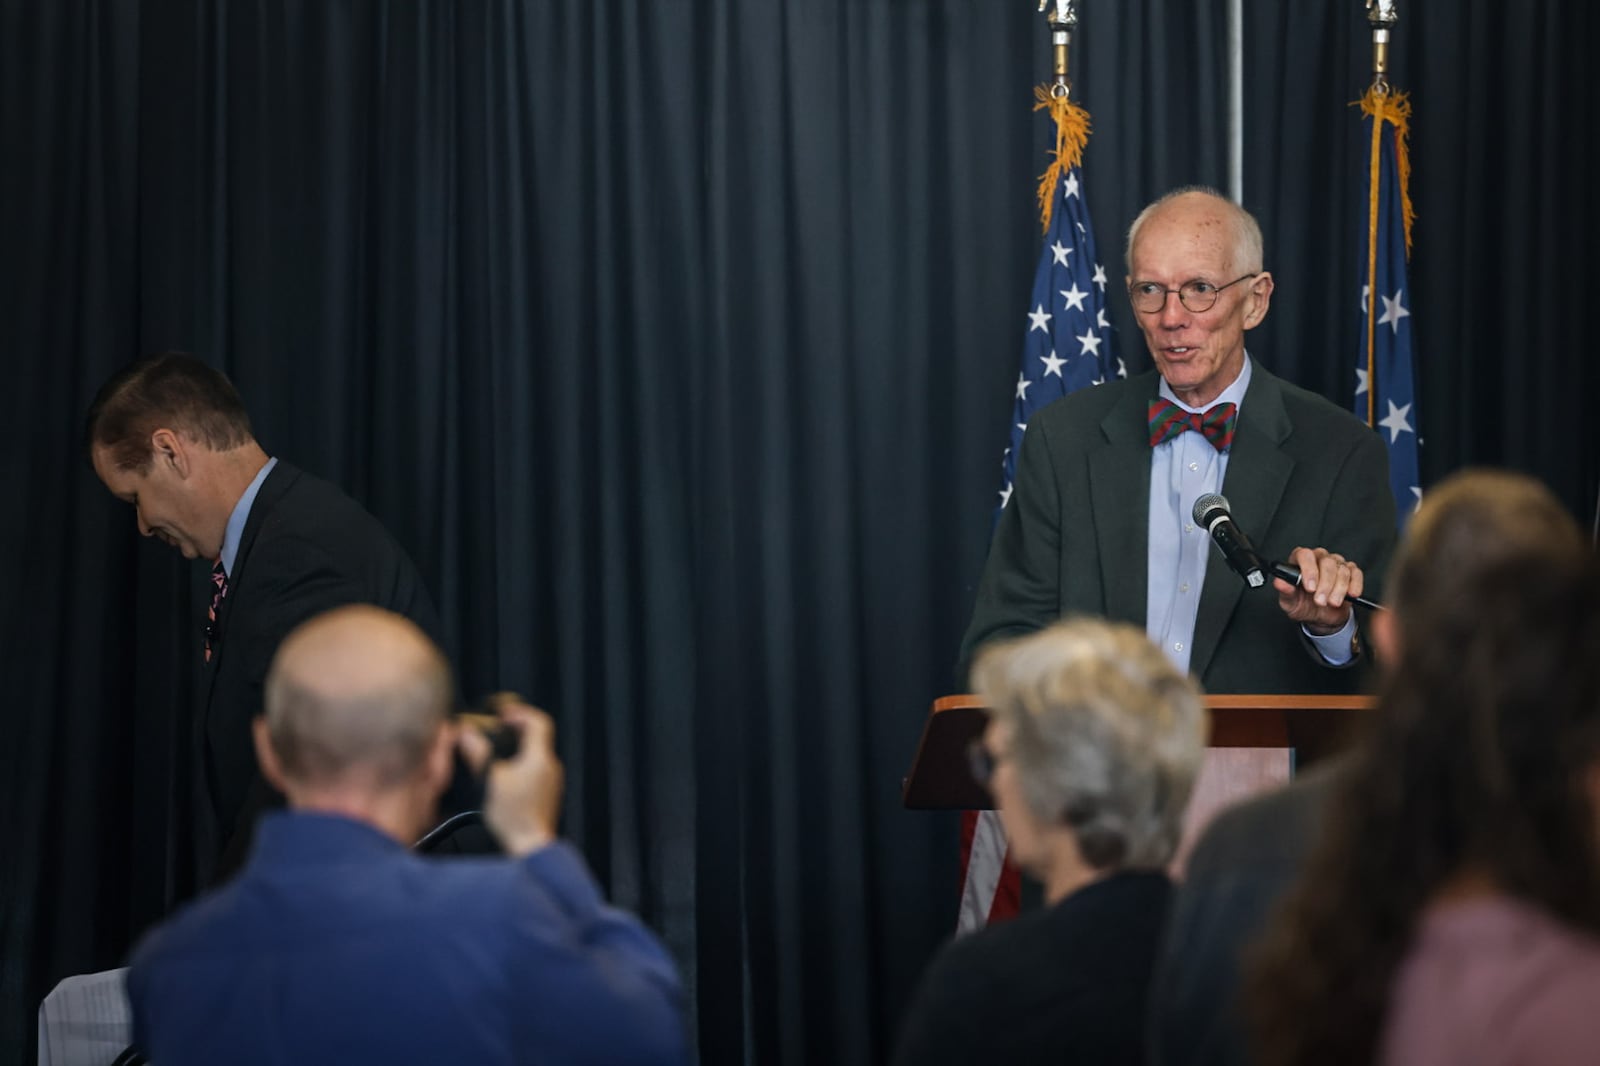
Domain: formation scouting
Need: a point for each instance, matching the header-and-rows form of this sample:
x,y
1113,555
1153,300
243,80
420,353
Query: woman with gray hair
x,y
1093,745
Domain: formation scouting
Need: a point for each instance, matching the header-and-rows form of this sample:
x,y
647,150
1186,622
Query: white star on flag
x,y
1053,364
1023,384
1395,422
1392,311
1361,380
1091,345
1040,318
1070,186
1100,278
1060,251
1074,297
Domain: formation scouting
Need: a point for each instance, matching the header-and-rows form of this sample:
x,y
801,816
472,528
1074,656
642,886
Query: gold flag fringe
x,y
1072,133
1395,108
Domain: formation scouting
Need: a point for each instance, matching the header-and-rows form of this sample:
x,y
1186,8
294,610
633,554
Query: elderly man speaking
x,y
1101,518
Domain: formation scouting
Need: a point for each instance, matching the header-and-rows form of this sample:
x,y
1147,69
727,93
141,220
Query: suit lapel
x,y
1119,469
1258,473
272,490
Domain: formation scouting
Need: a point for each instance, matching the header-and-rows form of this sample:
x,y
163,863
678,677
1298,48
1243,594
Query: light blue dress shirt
x,y
241,515
1181,471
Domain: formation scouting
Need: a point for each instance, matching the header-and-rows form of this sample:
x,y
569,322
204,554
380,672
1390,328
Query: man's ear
x,y
1258,300
440,763
271,768
166,446
1385,637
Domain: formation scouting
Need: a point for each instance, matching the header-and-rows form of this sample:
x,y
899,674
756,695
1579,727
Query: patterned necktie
x,y
219,592
1167,420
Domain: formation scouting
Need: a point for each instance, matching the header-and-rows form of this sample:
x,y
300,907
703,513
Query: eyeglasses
x,y
1197,295
980,761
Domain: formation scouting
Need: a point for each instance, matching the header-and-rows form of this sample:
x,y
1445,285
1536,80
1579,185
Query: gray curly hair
x,y
1106,735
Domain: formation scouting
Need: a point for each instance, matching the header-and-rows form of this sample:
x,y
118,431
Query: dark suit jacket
x,y
1238,872
1301,473
1067,984
306,548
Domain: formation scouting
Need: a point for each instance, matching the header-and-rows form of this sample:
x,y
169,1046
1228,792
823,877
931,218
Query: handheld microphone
x,y
1211,511
1291,574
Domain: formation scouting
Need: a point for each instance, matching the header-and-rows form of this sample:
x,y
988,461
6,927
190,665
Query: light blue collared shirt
x,y
241,515
1181,471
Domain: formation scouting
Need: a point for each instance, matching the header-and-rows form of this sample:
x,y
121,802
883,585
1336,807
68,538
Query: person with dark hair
x,y
170,435
1253,852
1091,752
1450,912
338,944
1100,520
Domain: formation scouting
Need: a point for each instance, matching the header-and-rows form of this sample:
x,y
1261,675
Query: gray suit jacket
x,y
1301,472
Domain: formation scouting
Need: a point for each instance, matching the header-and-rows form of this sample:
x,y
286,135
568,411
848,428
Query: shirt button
x,y
1178,646
1194,466
1188,527
1183,587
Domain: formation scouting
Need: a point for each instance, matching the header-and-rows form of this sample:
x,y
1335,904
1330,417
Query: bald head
x,y
1201,211
357,692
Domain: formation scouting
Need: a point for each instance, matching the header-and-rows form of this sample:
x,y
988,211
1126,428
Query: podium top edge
x,y
971,701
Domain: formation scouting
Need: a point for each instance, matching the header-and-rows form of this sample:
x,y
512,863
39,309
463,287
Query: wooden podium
x,y
1271,735
1256,743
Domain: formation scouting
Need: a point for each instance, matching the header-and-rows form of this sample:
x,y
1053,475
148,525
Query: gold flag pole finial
x,y
1071,121
1382,16
1063,18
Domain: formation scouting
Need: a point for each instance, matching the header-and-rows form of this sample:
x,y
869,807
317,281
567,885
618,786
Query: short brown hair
x,y
173,390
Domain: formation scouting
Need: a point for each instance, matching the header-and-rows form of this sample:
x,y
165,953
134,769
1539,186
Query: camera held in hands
x,y
505,739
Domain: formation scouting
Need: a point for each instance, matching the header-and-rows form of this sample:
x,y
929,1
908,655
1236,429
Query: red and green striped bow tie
x,y
1167,420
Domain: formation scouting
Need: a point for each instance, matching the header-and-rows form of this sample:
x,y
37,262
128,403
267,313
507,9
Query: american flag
x,y
1385,380
1068,347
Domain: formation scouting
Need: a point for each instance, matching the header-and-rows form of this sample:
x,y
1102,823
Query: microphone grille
x,y
1208,503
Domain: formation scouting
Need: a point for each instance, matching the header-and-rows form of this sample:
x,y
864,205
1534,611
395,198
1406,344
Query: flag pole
x,y
1381,16
1068,345
1063,18
1071,121
1385,363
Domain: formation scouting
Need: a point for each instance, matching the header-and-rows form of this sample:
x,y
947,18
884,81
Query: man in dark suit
x,y
170,435
1100,519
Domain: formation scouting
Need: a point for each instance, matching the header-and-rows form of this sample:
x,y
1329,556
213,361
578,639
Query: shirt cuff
x,y
1337,648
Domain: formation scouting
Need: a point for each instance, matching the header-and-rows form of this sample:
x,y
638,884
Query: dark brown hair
x,y
172,390
1484,733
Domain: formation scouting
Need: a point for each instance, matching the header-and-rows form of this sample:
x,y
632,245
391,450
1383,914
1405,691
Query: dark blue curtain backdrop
x,y
677,340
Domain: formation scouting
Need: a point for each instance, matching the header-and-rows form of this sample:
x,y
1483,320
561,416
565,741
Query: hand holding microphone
x,y
1314,588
